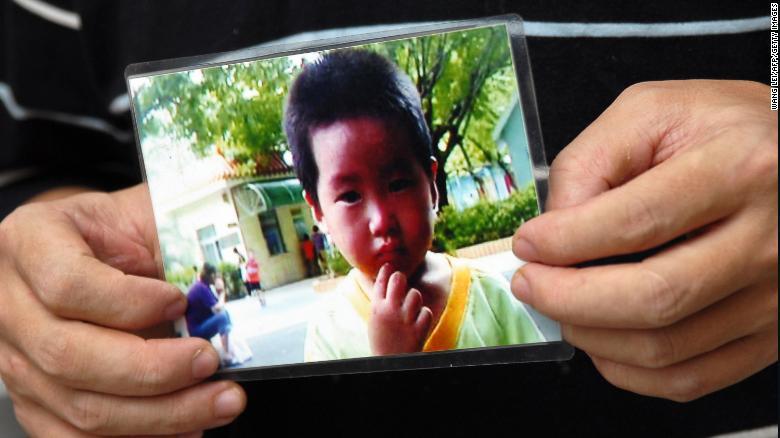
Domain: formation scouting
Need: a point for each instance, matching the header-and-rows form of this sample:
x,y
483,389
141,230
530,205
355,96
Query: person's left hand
x,y
687,158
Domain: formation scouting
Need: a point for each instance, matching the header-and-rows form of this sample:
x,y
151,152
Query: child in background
x,y
363,153
307,249
253,278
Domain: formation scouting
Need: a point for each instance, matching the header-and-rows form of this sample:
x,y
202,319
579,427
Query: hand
x,y
75,282
399,321
687,158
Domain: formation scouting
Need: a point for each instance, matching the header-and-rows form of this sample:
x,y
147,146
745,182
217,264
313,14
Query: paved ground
x,y
275,333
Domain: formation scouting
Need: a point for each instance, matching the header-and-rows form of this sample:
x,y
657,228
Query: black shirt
x,y
63,120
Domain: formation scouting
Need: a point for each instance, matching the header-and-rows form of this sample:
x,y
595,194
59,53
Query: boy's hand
x,y
75,280
685,158
399,321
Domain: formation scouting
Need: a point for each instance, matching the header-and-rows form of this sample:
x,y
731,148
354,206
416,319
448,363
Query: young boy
x,y
362,151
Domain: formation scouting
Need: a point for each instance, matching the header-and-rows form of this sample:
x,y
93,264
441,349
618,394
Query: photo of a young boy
x,y
362,151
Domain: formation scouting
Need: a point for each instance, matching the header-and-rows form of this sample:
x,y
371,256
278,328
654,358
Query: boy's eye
x,y
349,197
399,184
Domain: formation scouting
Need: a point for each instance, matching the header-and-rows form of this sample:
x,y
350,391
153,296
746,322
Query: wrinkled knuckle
x,y
14,369
56,357
55,291
660,299
641,223
151,375
88,412
658,349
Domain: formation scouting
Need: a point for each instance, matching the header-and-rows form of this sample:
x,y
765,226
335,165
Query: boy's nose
x,y
382,220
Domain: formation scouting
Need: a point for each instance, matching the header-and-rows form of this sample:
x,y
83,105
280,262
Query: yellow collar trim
x,y
358,298
445,335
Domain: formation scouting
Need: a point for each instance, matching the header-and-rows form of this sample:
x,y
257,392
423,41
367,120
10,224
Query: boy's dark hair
x,y
351,83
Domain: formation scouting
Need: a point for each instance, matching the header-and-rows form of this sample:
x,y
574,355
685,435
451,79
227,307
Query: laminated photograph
x,y
348,205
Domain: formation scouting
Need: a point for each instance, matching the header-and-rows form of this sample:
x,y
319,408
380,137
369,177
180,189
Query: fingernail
x,y
176,309
524,249
520,287
204,364
228,403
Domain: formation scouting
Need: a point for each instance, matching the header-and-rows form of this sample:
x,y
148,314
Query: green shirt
x,y
480,312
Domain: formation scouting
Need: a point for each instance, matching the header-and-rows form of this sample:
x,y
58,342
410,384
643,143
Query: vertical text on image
x,y
773,48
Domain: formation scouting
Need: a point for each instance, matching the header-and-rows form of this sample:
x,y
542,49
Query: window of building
x,y
299,222
269,222
209,245
228,241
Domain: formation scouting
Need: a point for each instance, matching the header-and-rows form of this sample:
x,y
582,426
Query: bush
x,y
181,278
184,277
484,221
336,262
232,276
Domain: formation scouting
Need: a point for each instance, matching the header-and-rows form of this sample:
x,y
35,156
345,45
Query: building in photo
x,y
218,210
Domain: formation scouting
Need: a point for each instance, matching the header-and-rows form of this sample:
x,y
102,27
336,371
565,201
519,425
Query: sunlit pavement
x,y
275,333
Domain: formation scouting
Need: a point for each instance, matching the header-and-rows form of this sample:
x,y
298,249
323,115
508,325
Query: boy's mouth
x,y
390,251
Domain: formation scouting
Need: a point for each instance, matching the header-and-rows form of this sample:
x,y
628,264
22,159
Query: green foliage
x,y
236,109
464,79
484,221
336,262
182,277
232,277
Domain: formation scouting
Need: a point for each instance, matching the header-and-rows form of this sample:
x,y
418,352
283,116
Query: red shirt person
x,y
307,248
252,272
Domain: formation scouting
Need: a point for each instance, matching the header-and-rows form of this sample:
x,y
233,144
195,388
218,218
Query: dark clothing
x,y
56,69
216,323
200,300
319,241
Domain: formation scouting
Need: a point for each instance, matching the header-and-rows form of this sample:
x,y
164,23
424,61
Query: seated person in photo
x,y
363,152
206,315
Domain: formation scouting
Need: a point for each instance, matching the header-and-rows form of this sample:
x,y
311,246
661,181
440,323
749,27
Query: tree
x,y
234,110
463,78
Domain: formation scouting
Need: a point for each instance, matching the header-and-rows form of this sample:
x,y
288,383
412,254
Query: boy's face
x,y
376,199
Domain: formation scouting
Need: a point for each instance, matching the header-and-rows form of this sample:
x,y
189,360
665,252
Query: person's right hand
x,y
76,279
399,321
